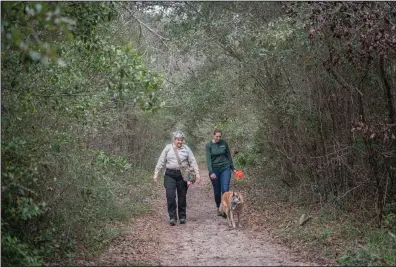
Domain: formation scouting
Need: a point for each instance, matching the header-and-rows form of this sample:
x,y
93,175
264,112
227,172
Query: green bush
x,y
60,90
380,249
15,252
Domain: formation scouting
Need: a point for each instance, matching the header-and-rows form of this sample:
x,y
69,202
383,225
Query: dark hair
x,y
216,130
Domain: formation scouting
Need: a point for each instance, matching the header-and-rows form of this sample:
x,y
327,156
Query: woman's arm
x,y
228,155
208,158
161,162
193,162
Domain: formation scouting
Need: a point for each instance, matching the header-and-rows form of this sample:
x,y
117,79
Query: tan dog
x,y
232,202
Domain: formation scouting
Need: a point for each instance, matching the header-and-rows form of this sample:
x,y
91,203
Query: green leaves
x,y
19,34
26,209
108,161
65,78
16,252
131,79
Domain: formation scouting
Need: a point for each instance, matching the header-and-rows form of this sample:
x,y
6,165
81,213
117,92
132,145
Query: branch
x,y
283,180
169,81
334,73
140,33
146,26
304,218
119,28
231,52
339,198
63,94
388,89
341,81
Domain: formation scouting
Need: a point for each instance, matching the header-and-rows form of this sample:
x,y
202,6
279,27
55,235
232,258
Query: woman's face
x,y
217,137
178,142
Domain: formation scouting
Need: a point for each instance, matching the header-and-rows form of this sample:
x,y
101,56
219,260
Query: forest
x,y
91,91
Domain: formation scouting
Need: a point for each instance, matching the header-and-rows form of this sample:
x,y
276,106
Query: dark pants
x,y
173,181
221,184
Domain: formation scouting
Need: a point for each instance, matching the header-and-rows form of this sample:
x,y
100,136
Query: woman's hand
x,y
212,175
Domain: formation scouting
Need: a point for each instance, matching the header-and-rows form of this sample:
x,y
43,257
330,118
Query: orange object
x,y
239,174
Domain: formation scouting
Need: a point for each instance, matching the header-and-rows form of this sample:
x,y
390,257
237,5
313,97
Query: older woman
x,y
173,180
220,165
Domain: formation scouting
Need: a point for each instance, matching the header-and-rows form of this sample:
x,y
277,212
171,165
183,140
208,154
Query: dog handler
x,y
220,165
173,180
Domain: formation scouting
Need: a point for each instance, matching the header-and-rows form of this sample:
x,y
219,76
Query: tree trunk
x,y
388,91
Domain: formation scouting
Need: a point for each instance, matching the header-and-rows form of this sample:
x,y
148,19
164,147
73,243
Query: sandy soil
x,y
205,240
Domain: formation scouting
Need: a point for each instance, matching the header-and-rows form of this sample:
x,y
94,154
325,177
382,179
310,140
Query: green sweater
x,y
218,156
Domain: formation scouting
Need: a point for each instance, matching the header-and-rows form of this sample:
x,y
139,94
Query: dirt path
x,y
205,240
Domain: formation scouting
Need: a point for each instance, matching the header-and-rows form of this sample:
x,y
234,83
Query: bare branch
x,y
146,26
342,82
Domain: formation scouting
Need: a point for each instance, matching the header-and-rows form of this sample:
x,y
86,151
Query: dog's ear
x,y
241,197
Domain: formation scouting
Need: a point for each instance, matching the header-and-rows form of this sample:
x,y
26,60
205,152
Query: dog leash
x,y
235,185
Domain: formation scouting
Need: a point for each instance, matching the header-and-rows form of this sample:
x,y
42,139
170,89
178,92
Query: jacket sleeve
x,y
229,157
161,161
208,158
192,161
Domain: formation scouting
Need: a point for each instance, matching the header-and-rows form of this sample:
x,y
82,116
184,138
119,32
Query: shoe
x,y
222,214
219,213
182,221
172,222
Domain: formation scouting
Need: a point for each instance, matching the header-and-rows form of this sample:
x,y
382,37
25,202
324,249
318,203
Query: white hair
x,y
178,134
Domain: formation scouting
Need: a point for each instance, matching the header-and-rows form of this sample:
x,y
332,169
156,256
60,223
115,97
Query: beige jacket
x,y
168,159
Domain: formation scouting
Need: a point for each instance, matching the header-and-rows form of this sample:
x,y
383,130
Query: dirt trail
x,y
205,240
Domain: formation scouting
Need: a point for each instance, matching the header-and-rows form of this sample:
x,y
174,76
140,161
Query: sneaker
x,y
172,222
222,214
219,213
182,221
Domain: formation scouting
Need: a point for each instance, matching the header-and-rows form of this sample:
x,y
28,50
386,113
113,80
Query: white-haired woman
x,y
173,180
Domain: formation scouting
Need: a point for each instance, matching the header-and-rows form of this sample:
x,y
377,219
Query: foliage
x,y
37,41
380,250
63,81
17,252
301,91
303,94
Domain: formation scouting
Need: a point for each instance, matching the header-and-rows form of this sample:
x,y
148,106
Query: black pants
x,y
173,181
